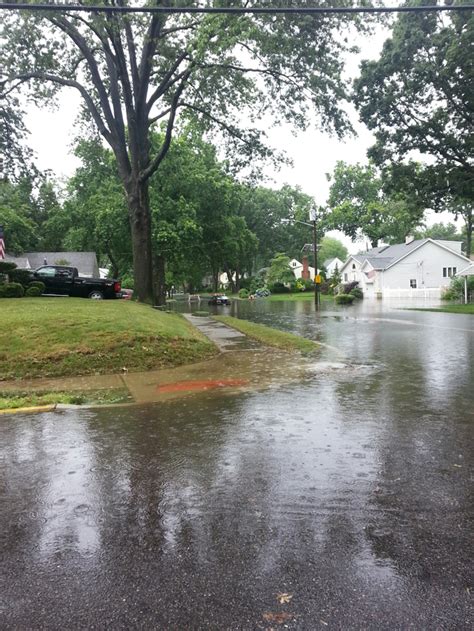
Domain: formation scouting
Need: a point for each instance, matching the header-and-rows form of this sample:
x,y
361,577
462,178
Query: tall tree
x,y
359,206
331,248
136,72
418,97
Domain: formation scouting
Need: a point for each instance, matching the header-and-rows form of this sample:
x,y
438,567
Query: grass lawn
x,y
300,295
55,337
19,399
449,309
270,337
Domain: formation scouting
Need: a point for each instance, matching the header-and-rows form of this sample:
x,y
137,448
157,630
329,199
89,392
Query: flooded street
x,y
337,497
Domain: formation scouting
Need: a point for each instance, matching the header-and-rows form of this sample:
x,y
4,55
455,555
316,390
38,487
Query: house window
x,y
445,272
353,266
455,270
346,278
413,283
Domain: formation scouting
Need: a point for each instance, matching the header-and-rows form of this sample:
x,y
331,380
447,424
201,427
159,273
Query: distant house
x,y
86,262
417,268
331,265
301,270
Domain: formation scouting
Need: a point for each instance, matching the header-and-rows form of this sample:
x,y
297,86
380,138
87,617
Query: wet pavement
x,y
333,493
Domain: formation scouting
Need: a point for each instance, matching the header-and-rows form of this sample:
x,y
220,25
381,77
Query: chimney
x,y
305,271
408,239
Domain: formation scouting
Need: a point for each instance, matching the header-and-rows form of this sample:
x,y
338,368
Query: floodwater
x,y
340,497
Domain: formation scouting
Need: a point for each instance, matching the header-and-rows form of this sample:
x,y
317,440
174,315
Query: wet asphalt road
x,y
348,490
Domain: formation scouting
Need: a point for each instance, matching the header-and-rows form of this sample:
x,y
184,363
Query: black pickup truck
x,y
65,281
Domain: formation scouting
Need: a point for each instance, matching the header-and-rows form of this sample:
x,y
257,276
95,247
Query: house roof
x,y
86,262
385,256
467,271
328,262
20,262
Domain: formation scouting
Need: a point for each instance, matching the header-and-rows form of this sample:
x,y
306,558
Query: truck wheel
x,y
96,295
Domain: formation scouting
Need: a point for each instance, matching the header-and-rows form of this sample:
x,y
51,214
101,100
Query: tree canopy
x,y
418,99
136,72
359,206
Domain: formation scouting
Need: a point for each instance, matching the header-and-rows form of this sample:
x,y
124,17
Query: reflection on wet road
x,y
347,487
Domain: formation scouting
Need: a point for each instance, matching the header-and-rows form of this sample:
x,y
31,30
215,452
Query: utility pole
x,y
313,218
315,249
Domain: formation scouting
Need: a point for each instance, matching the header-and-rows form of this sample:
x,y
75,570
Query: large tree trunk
x,y
140,224
230,279
159,269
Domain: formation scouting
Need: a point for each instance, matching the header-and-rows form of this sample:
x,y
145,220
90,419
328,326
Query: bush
x,y
348,287
344,299
456,289
127,281
21,276
33,292
278,288
325,288
357,293
243,293
2,290
13,290
37,283
6,267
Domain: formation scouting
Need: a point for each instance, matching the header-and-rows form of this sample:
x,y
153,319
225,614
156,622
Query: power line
x,y
234,10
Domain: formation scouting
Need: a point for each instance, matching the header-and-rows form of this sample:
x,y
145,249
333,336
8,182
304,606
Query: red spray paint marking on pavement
x,y
207,384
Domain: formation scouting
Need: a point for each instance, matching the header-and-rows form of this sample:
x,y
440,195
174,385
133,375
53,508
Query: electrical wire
x,y
234,10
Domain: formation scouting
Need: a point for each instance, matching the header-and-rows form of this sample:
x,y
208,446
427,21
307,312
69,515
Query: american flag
x,y
2,244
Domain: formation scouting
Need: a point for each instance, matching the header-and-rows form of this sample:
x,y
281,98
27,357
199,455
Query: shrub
x,y
6,267
127,281
357,293
278,288
13,290
324,288
2,290
243,293
348,287
456,289
21,276
33,292
344,299
37,283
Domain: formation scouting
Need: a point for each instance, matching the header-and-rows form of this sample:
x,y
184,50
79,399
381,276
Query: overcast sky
x,y
313,153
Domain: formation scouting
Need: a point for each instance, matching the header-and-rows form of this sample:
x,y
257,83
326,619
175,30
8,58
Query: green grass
x,y
270,337
19,399
448,309
300,295
55,337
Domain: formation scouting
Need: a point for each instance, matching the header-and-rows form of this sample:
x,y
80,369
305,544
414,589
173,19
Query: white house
x,y
298,268
418,268
332,264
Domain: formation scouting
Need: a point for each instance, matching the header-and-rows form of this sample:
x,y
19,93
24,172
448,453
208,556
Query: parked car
x,y
219,299
65,281
263,293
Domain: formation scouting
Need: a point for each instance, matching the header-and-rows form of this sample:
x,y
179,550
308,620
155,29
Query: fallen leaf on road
x,y
284,598
279,617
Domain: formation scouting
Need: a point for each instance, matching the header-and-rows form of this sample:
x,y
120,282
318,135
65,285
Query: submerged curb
x,y
29,410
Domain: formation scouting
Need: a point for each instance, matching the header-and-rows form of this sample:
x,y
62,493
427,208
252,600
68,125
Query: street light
x,y
317,278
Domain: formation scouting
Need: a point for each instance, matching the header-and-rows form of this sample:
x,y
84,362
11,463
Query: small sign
x,y
317,278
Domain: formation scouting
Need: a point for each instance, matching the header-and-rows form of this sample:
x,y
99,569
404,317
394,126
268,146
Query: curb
x,y
29,410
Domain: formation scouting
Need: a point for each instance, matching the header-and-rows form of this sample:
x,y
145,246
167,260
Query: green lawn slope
x,y
55,337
